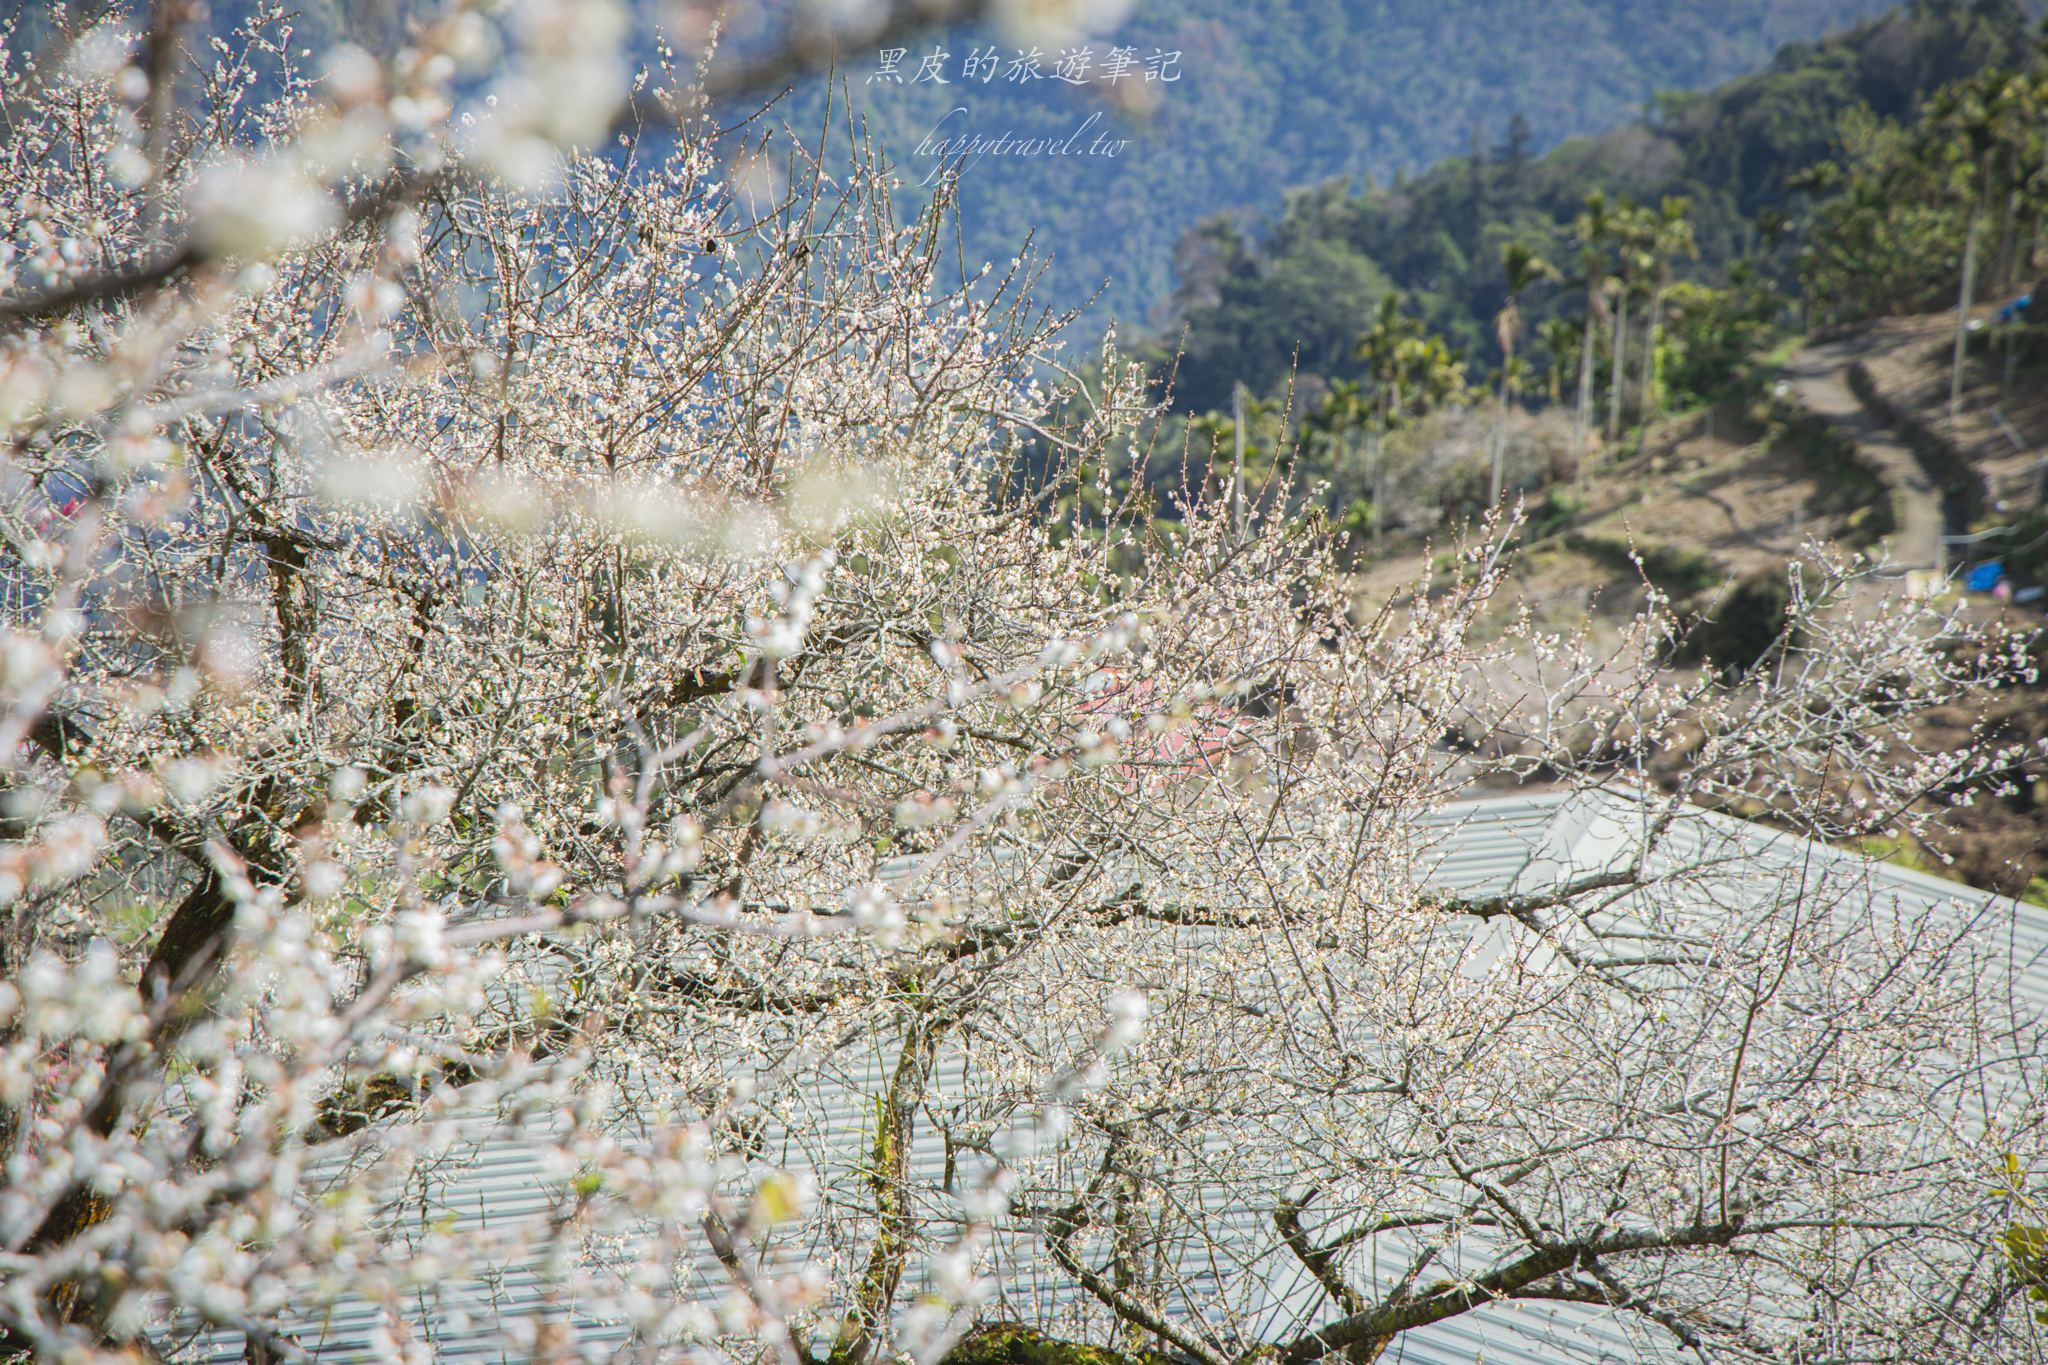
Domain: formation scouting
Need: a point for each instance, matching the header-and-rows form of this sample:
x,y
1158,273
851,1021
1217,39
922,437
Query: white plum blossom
x,y
514,654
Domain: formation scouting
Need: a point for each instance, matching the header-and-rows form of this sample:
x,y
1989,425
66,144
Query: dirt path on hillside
x,y
1819,375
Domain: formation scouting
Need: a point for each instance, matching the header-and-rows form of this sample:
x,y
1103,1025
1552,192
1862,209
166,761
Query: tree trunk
x,y
1585,421
1645,407
1010,1343
1500,427
2034,245
1963,306
184,960
2006,261
1377,456
861,1334
1617,384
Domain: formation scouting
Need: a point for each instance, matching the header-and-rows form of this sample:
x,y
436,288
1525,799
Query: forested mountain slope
x,y
1286,92
1269,93
1296,289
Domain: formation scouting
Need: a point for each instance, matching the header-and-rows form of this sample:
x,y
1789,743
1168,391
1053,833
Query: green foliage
x,y
1711,333
1889,232
1296,93
1009,1343
2026,1243
2026,1248
1303,304
1741,177
2024,548
1849,173
1899,851
1359,518
1557,510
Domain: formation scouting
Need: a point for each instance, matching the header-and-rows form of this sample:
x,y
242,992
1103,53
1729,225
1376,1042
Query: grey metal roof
x,y
1476,847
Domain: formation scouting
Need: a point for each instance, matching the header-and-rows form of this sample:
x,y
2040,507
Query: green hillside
x,y
1276,94
1297,288
1269,94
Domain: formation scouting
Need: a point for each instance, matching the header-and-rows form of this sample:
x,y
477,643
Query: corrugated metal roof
x,y
1473,848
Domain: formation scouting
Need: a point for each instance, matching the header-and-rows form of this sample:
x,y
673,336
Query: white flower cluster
x,y
782,635
531,672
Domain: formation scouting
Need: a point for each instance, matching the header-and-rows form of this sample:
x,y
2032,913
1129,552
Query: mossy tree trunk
x,y
889,1177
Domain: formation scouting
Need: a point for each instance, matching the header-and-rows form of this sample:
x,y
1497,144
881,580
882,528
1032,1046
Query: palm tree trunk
x,y
1617,383
1963,306
2006,262
1500,432
2034,249
1650,352
1377,457
1585,422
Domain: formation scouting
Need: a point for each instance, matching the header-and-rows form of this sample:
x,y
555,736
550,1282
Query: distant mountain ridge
x,y
1288,293
1275,93
1271,94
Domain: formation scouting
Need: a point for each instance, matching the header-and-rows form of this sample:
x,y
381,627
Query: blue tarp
x,y
1985,576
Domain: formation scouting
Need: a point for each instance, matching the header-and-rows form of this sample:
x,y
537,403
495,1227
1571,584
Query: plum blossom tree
x,y
511,625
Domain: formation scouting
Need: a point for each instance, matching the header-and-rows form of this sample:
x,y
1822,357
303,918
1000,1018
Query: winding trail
x,y
1819,376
